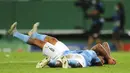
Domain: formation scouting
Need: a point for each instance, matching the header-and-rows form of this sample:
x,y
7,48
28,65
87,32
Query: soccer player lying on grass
x,y
49,48
97,56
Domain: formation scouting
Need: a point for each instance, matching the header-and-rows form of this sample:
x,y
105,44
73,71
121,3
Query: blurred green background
x,y
52,14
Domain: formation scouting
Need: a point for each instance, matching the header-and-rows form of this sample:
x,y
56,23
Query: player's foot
x,y
64,62
34,29
43,63
12,28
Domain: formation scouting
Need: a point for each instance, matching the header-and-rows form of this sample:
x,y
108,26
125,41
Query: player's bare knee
x,y
30,41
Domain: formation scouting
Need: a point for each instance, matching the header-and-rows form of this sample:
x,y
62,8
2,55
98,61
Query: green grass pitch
x,y
25,62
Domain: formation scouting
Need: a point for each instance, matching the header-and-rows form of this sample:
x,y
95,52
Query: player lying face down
x,y
48,45
97,56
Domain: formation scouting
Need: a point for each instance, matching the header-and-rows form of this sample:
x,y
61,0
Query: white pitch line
x,y
19,62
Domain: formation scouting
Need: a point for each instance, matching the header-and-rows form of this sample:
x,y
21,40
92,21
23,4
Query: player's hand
x,y
112,61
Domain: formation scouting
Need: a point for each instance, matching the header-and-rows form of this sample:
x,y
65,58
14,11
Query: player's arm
x,y
101,50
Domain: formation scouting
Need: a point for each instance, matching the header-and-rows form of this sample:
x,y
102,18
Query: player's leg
x,y
90,37
34,29
32,41
116,40
58,44
90,41
94,34
33,32
13,31
27,39
57,49
44,37
39,36
48,49
98,33
61,46
43,63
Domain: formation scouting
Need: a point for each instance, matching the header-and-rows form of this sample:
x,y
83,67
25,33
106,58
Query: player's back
x,y
90,57
84,56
